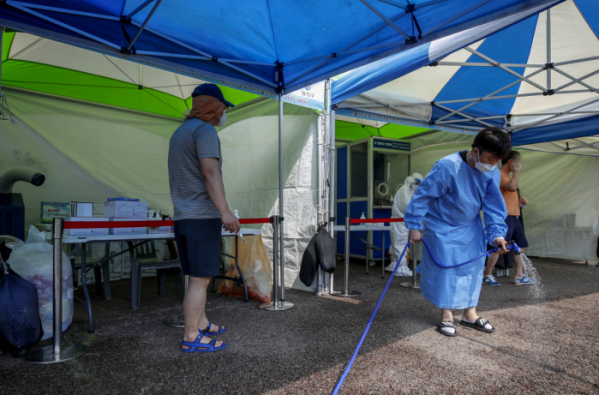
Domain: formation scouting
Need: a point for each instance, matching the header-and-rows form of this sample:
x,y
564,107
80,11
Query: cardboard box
x,y
52,210
125,209
128,231
80,209
86,232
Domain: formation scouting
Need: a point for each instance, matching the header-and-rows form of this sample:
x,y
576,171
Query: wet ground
x,y
546,343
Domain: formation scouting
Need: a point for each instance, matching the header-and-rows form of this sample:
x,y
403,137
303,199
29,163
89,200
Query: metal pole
x,y
275,303
281,211
54,353
346,293
415,283
383,253
548,49
332,190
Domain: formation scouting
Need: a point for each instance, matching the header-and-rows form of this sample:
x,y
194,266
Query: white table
x,y
141,238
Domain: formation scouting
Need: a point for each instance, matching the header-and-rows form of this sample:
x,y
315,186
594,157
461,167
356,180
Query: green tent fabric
x,y
42,65
350,131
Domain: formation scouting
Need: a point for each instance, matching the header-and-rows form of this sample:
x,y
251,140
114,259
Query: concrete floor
x,y
546,342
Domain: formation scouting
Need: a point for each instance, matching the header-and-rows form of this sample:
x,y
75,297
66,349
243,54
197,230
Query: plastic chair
x,y
101,273
144,258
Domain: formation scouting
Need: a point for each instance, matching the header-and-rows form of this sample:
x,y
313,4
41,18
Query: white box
x,y
80,209
86,232
128,231
125,209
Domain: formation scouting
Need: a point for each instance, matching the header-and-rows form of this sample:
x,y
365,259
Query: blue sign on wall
x,y
394,145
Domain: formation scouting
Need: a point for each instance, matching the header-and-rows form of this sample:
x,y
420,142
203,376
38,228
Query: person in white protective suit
x,y
399,230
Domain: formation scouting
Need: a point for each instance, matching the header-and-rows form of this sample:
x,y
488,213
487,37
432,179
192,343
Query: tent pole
x,y
332,186
549,49
281,187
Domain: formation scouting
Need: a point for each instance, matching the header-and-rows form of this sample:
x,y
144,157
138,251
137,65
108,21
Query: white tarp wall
x,y
88,153
562,191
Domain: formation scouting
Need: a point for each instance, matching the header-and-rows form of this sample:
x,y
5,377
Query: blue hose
x,y
510,246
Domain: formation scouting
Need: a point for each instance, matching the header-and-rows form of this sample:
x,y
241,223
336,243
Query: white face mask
x,y
223,120
413,187
483,167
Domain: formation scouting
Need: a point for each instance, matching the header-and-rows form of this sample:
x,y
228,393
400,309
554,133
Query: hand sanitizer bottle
x,y
236,213
363,217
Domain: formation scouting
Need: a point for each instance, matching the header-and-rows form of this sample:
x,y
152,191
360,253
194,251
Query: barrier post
x,y
346,293
275,304
415,276
55,353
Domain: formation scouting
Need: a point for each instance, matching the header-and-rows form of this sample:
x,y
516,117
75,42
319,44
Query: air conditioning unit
x,y
12,208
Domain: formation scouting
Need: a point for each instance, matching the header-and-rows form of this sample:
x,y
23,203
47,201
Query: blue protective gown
x,y
449,201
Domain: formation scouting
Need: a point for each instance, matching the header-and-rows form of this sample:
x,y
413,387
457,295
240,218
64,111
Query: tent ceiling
x,y
259,46
39,64
538,79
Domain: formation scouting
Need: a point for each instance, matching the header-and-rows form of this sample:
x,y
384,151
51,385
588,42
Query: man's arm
x,y
495,214
512,185
216,190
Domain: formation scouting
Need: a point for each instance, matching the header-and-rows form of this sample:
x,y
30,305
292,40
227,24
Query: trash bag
x,y
325,250
309,261
255,266
20,324
33,261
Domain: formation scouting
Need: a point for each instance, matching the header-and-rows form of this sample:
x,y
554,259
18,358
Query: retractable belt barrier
x,y
55,353
511,245
143,224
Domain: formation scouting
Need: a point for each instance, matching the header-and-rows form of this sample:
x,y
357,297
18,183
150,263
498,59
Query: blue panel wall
x,y
342,173
377,237
341,214
355,211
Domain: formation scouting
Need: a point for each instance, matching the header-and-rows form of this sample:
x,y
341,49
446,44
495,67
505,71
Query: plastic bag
x,y
255,266
20,324
307,272
33,261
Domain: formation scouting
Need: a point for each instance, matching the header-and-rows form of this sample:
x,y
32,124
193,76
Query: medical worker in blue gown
x,y
446,207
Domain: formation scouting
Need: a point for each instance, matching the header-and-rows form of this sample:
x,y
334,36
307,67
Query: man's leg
x,y
518,264
491,262
194,309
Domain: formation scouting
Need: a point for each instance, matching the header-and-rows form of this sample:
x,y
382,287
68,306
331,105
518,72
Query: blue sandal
x,y
206,332
196,346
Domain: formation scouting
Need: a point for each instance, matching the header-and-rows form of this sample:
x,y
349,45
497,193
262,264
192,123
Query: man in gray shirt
x,y
198,194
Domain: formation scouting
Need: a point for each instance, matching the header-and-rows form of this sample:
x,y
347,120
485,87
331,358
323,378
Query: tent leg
x,y
275,303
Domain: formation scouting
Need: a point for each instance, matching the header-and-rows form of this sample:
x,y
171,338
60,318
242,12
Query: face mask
x,y
222,121
413,187
483,167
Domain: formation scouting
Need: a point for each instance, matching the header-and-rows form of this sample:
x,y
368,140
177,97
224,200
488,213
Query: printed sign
x,y
390,144
311,96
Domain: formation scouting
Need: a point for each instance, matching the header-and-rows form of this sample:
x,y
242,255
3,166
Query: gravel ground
x,y
545,343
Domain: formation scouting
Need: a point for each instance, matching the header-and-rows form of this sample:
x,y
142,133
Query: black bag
x,y
308,269
320,251
325,250
20,323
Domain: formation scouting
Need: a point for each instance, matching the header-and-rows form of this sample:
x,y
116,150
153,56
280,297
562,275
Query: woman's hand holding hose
x,y
502,245
414,236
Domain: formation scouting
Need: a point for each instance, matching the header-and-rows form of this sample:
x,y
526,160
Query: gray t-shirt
x,y
192,141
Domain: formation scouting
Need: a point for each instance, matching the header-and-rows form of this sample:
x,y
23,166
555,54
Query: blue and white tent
x,y
537,79
267,47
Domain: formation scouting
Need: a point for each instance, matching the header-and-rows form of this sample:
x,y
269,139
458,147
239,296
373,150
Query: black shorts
x,y
515,231
198,241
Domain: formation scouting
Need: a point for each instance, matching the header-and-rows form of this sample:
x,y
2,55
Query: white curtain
x,y
89,153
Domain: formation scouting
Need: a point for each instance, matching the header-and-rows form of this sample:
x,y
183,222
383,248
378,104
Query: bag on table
x,y
255,266
33,261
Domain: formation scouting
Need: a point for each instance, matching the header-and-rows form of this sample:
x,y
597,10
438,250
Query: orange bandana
x,y
206,108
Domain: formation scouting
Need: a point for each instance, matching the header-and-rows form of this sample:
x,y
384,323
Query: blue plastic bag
x,y
20,322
